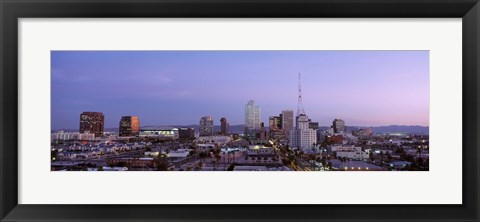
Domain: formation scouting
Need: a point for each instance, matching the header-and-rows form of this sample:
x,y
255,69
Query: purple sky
x,y
365,88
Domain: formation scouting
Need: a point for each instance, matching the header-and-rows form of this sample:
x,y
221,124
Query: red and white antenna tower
x,y
300,109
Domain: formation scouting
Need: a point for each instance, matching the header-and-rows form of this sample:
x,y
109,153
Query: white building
x,y
62,135
302,136
177,154
161,133
252,116
351,152
346,148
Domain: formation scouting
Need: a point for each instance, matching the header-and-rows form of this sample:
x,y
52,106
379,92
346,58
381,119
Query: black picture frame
x,y
12,10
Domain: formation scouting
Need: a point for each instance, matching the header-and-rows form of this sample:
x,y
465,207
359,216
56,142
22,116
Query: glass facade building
x,y
92,122
206,126
129,126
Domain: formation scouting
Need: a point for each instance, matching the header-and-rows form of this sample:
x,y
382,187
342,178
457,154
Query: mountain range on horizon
x,y
424,130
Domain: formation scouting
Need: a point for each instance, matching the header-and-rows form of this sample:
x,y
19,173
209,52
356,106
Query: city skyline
x,y
364,88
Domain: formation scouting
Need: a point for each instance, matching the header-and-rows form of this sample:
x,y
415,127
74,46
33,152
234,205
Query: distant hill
x,y
232,128
423,130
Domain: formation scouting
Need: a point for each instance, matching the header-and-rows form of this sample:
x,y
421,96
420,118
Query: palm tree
x,y
202,155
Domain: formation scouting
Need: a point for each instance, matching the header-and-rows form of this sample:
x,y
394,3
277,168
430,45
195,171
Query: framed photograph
x,y
225,110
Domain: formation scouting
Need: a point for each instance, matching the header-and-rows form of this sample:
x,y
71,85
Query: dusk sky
x,y
364,88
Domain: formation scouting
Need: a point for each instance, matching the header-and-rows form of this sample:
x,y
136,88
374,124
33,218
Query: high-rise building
x,y
275,127
262,134
92,122
274,123
252,117
287,120
206,126
129,126
338,125
224,126
303,136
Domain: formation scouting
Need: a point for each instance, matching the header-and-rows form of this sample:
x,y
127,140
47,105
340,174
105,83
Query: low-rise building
x,y
134,162
160,133
350,152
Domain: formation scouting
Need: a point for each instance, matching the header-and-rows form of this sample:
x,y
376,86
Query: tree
x,y
389,157
202,155
370,155
217,156
329,165
54,154
231,167
214,165
162,163
420,161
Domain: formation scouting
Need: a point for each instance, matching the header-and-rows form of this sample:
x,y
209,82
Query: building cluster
x,y
290,142
92,128
62,135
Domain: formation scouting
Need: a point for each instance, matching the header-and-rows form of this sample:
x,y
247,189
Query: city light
x,y
185,118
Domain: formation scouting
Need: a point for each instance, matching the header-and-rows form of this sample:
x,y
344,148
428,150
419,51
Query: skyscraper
x,y
252,117
206,126
338,125
129,126
287,120
92,122
224,126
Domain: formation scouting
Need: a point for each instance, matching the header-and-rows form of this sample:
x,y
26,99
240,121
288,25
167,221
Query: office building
x,y
129,126
206,126
224,126
274,123
252,116
338,126
303,136
275,127
186,133
313,125
287,120
162,133
92,122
